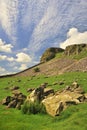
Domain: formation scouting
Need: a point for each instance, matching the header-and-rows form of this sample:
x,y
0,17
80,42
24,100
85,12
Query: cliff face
x,y
50,54
75,49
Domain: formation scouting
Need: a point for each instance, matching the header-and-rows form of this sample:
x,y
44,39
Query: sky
x,y
29,27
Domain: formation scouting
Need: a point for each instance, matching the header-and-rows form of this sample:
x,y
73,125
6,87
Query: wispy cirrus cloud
x,y
8,17
58,17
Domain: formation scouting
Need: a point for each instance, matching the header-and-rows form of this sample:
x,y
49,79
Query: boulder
x,y
6,100
71,95
12,104
14,101
62,100
44,85
48,91
40,93
36,95
30,89
61,83
14,88
18,106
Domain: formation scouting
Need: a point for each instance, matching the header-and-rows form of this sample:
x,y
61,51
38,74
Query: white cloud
x,y
23,67
5,47
74,37
23,57
20,58
3,57
10,59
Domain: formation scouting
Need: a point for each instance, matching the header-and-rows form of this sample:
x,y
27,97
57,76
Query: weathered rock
x,y
36,95
16,92
71,95
14,101
75,49
30,89
6,101
40,93
14,88
18,106
48,91
44,85
12,104
52,103
50,53
55,83
61,83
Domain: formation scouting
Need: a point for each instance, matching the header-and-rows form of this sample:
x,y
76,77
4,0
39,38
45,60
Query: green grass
x,y
73,118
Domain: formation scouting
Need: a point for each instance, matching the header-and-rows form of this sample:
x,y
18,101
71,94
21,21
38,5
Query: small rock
x,y
55,83
44,85
6,101
14,88
61,83
30,89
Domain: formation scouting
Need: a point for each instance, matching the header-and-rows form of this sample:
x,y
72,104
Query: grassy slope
x,y
74,118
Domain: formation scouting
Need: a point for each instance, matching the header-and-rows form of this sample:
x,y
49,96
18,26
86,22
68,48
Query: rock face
x,y
56,102
50,53
74,49
14,101
71,95
39,94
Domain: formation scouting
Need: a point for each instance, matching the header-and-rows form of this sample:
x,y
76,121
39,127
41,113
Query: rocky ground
x,y
54,101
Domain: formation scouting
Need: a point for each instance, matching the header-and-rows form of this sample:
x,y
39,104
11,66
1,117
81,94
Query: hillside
x,y
74,58
73,118
69,88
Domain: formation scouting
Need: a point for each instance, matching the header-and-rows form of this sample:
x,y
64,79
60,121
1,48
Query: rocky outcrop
x,y
71,95
50,53
56,102
39,94
14,101
75,49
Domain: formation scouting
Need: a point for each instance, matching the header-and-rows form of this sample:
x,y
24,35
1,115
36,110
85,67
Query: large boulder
x,y
40,93
57,103
71,95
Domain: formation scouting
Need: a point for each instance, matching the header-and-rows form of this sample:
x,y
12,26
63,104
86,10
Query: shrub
x,y
36,69
33,108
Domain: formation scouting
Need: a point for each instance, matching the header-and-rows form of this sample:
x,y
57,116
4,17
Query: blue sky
x,y
28,27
